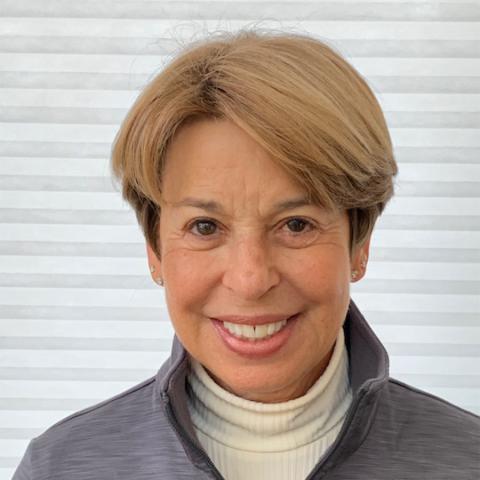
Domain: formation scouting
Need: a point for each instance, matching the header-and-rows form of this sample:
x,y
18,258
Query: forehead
x,y
217,157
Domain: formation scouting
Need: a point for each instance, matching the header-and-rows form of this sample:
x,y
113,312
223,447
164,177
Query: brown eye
x,y
204,227
297,225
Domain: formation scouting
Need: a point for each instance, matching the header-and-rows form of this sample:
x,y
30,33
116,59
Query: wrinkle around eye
x,y
279,234
307,224
304,238
195,235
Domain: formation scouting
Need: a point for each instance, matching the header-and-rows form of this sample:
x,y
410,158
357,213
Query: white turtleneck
x,y
249,440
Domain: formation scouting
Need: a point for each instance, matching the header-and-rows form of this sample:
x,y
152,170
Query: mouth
x,y
255,333
257,339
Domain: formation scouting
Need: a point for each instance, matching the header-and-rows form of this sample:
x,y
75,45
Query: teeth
x,y
237,330
254,333
261,331
270,328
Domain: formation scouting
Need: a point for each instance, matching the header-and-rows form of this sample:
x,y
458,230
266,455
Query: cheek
x,y
187,276
323,275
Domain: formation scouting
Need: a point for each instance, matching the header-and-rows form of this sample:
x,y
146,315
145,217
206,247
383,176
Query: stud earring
x,y
355,273
364,262
157,280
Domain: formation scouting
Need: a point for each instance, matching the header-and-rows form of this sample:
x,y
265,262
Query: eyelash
x,y
309,225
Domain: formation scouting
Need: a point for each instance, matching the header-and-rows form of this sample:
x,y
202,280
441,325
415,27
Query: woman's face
x,y
240,244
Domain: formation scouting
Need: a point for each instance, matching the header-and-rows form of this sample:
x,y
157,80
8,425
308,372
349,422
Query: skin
x,y
249,258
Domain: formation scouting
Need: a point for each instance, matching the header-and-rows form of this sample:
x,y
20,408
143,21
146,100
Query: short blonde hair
x,y
297,97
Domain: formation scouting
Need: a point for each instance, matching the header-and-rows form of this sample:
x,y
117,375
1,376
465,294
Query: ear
x,y
155,265
360,260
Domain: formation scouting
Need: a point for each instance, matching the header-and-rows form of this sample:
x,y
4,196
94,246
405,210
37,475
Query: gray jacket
x,y
392,430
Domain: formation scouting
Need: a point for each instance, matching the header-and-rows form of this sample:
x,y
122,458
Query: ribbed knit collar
x,y
271,427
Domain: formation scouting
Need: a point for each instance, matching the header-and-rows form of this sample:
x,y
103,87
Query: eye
x,y
203,227
298,232
298,225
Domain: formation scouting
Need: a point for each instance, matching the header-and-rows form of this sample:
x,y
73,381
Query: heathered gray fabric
x,y
392,431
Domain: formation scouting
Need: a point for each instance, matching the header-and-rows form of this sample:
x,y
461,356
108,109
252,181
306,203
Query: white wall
x,y
80,319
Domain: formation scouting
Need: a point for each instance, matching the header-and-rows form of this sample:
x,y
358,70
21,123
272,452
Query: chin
x,y
255,383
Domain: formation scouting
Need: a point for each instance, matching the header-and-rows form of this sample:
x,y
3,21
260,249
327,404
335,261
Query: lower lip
x,y
256,348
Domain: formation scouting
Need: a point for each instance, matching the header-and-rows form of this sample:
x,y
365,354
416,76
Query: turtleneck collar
x,y
245,425
368,366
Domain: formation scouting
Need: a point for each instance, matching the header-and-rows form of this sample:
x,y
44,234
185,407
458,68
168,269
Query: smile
x,y
252,333
255,337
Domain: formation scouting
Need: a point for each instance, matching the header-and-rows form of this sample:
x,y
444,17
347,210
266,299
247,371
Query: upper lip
x,y
253,320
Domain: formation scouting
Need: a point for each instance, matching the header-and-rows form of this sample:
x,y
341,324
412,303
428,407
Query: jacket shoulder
x,y
422,404
426,432
101,440
124,404
413,435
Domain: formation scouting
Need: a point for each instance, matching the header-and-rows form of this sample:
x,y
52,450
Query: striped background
x,y
80,319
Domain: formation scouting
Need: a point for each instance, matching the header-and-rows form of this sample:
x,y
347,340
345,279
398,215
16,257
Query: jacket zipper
x,y
183,435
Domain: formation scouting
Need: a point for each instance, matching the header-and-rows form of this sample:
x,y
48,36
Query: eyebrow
x,y
215,207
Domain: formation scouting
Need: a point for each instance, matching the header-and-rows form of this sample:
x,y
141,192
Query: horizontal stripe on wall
x,y
164,31
151,64
176,11
98,329
151,46
124,81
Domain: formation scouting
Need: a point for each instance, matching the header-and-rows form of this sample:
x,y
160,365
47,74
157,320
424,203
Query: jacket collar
x,y
368,373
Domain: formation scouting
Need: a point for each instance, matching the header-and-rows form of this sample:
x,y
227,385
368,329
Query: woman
x,y
257,165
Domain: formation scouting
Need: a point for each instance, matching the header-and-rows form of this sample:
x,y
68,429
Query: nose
x,y
251,271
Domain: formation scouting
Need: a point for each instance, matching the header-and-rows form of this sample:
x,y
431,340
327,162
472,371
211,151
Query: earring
x,y
157,280
355,273
364,262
